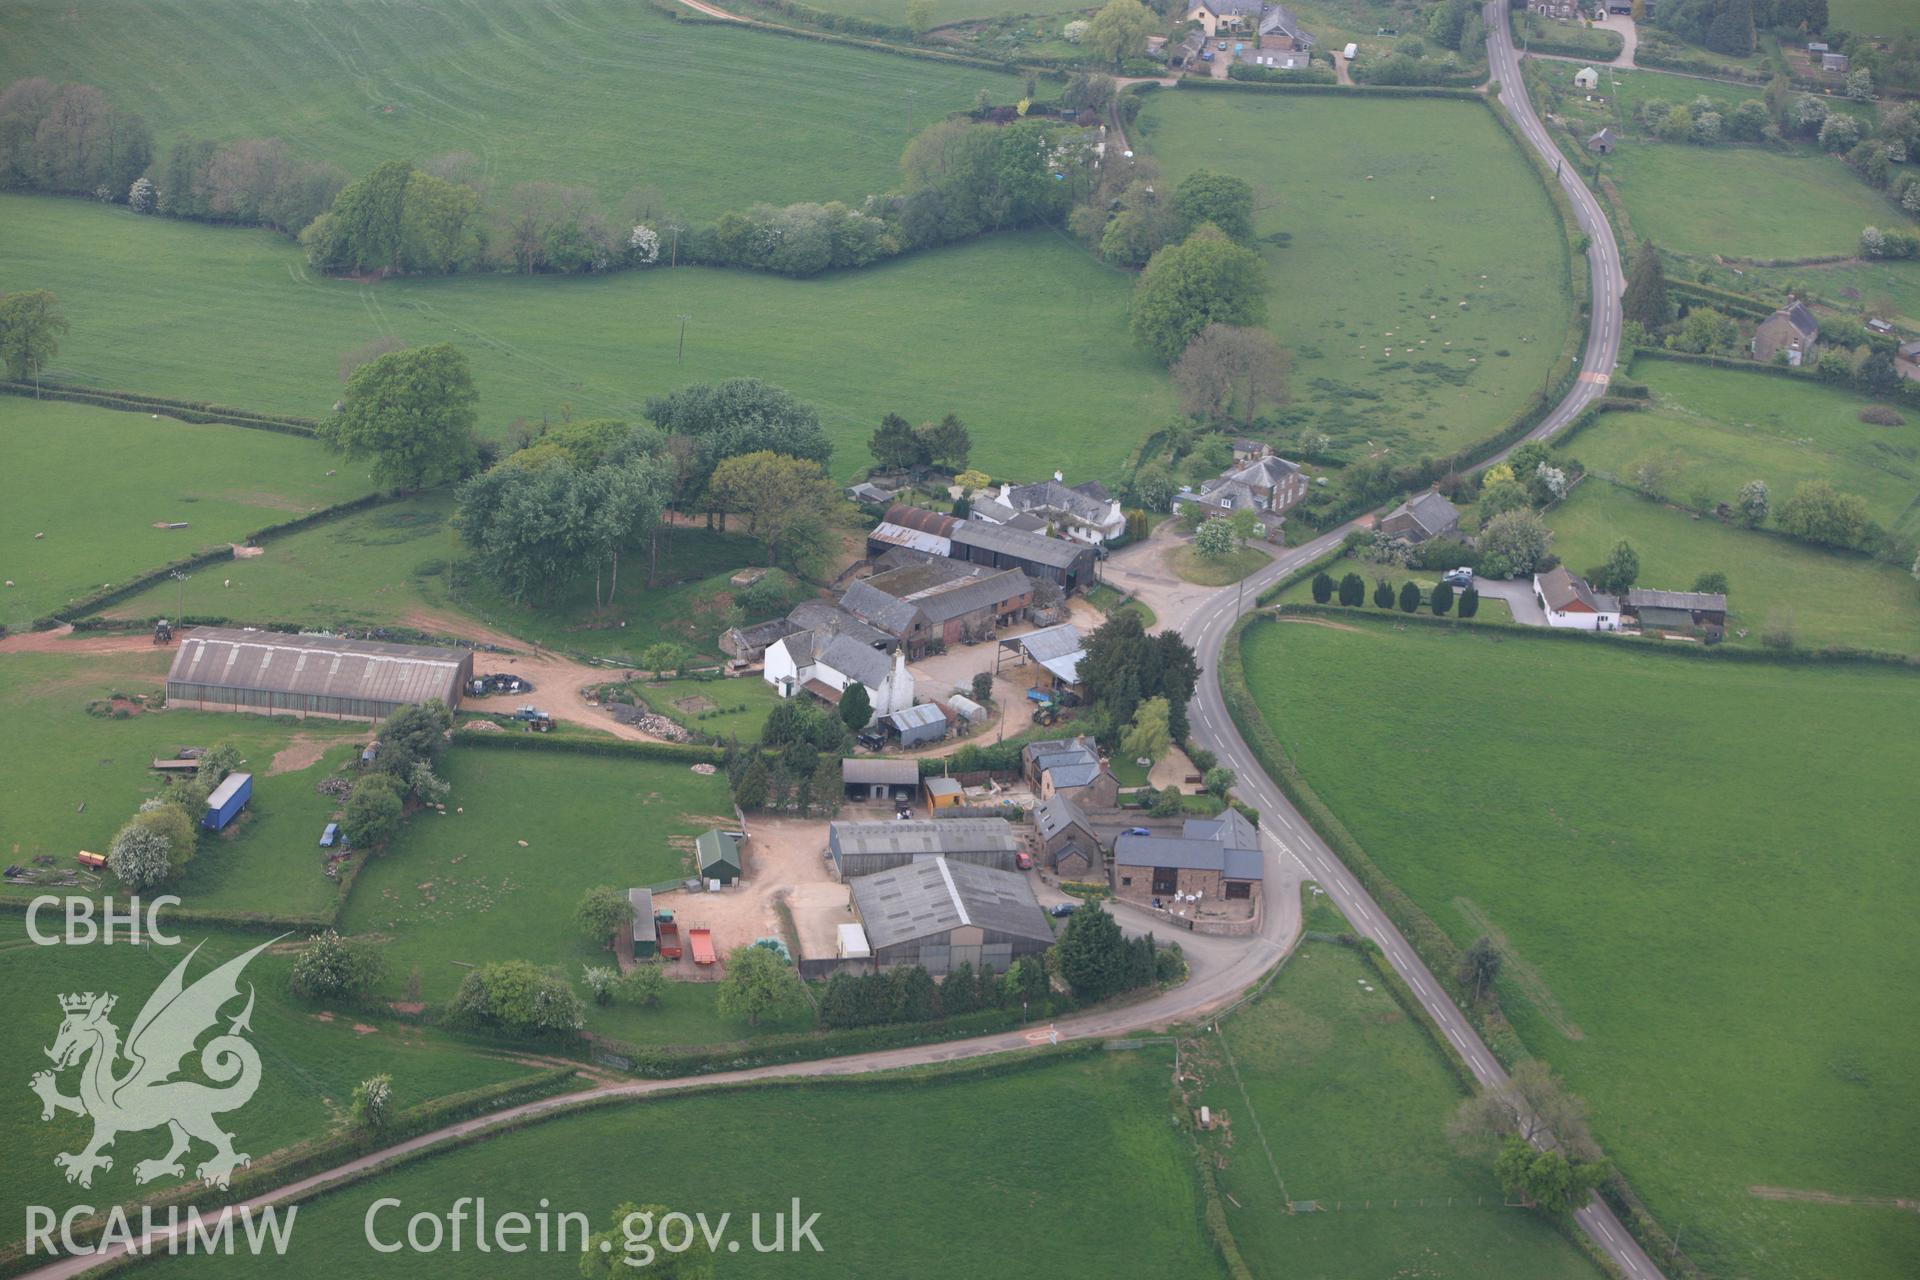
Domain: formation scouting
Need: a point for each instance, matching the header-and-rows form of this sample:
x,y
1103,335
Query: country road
x,y
1222,968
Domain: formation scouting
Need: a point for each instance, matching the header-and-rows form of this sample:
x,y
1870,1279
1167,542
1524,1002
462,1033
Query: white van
x,y
1350,51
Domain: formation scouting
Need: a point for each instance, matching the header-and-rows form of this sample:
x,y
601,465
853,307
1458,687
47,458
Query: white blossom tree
x,y
141,196
643,245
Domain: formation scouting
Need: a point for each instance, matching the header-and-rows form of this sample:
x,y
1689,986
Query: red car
x,y
1023,860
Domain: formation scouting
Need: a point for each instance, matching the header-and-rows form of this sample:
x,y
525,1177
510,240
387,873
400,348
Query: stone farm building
x,y
267,672
1217,858
939,603
1082,512
824,660
1067,839
1071,767
1791,330
864,848
1423,516
1068,565
940,913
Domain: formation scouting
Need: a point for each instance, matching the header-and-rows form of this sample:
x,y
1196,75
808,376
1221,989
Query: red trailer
x,y
701,940
669,936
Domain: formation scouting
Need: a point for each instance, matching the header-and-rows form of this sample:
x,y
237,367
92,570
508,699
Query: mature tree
x,y
1205,279
751,787
1167,802
516,998
1147,737
332,968
1817,512
216,764
1519,538
1221,199
366,228
757,983
1120,30
1442,599
1089,91
784,499
946,442
894,443
1645,301
1353,590
1410,596
1712,581
1620,571
825,789
1531,1103
1755,503
1215,539
412,735
1231,372
856,707
603,914
372,1108
959,990
373,812
739,415
1502,495
440,226
1123,666
1546,1179
1383,596
1479,967
30,327
532,525
1469,602
630,1243
409,413
1323,587
140,857
983,687
1091,955
1218,781
915,998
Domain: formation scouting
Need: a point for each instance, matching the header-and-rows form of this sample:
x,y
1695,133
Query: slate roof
x,y
933,896
817,615
1055,814
1796,314
1691,601
1605,137
925,837
762,634
1562,590
872,605
855,660
991,510
1052,753
325,666
1227,844
1054,553
905,773
1051,495
1432,512
1269,472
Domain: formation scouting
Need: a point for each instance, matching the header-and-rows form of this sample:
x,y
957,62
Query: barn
x,y
941,913
266,672
863,848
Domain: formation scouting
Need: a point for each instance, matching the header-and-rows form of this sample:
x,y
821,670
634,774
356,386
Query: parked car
x,y
1461,577
1136,831
1023,860
1059,909
1221,45
1206,55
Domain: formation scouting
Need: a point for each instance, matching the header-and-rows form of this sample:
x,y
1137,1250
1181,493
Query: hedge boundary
x,y
680,13
304,1159
196,411
616,748
127,590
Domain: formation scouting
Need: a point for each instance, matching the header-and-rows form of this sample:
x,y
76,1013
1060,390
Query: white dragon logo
x,y
146,1096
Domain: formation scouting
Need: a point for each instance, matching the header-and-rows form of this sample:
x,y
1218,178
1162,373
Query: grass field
x,y
310,1063
1353,1100
1712,430
97,481
74,778
1704,875
1073,1169
1823,597
1724,200
460,888
1398,211
1050,14
587,93
1194,567
1873,17
1008,332
1894,282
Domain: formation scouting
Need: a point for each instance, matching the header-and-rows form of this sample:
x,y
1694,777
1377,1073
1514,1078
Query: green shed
x,y
646,934
719,855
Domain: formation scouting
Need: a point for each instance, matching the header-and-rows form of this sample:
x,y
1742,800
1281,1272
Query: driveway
x,y
1518,593
1143,570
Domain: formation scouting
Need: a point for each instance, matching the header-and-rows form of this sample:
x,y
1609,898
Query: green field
x,y
75,778
1353,1100
1051,15
97,481
311,1059
1712,430
1068,1168
1008,332
1895,282
1703,882
459,888
1822,597
586,93
1398,211
1873,17
1727,200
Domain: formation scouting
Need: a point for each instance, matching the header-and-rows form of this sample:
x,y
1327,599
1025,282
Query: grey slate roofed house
x,y
1603,142
1424,516
941,913
1275,20
1214,857
270,673
1792,331
1073,512
1066,837
862,848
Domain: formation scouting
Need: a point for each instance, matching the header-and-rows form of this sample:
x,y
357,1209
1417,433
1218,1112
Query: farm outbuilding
x,y
719,855
646,933
879,780
918,725
941,913
863,848
944,793
266,672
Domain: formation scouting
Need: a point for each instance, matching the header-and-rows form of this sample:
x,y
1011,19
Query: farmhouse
x,y
825,661
1603,142
1084,512
1570,602
1072,767
877,781
1216,858
718,853
1586,78
1265,484
863,848
941,913
1066,838
1273,22
1424,516
1678,610
939,603
226,669
1791,330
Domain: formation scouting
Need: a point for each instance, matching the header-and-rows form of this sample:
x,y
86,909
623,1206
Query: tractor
x,y
163,632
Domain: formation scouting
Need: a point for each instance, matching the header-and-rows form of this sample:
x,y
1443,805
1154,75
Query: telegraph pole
x,y
680,356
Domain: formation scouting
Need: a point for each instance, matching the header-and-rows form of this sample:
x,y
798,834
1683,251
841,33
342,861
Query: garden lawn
x,y
585,93
1632,88
1194,567
74,779
1744,202
739,709
1353,1098
1710,431
1704,869
1822,597
1024,336
311,1059
458,889
875,1160
1398,211
97,481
